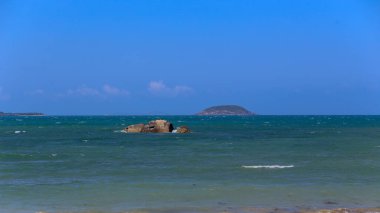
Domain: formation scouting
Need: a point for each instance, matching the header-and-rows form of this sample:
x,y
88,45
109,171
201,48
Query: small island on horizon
x,y
21,114
225,110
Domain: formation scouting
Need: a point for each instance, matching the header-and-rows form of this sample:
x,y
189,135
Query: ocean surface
x,y
86,163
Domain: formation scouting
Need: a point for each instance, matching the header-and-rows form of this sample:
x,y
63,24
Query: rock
x,y
159,126
183,129
225,110
156,126
135,128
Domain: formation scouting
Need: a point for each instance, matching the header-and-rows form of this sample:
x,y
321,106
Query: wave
x,y
268,167
120,131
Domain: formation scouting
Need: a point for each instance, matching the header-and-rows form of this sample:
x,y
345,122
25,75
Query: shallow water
x,y
85,163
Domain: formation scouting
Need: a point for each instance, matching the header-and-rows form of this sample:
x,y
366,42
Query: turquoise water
x,y
78,164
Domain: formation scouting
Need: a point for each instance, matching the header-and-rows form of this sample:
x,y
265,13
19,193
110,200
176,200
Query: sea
x,y
88,164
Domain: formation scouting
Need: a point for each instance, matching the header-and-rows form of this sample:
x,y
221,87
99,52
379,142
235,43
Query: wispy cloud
x,y
111,90
160,88
83,91
35,92
106,90
3,96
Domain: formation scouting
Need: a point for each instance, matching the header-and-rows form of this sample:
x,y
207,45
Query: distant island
x,y
225,110
21,114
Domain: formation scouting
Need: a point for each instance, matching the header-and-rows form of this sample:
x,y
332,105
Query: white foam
x,y
120,131
268,167
17,132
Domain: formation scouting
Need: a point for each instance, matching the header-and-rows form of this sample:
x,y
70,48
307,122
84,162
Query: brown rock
x,y
135,128
183,129
159,126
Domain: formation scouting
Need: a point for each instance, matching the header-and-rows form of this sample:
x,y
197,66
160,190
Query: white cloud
x,y
182,89
84,91
106,90
111,90
160,88
3,96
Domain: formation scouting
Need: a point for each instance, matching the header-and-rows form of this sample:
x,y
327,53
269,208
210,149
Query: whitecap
x,y
268,166
17,132
54,155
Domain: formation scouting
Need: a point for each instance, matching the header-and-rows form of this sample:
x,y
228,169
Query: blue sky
x,y
178,57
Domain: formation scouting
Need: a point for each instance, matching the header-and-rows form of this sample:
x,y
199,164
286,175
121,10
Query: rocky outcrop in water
x,y
156,126
135,128
159,126
183,129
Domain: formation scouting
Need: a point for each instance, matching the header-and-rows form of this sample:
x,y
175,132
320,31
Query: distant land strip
x,y
21,114
225,110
